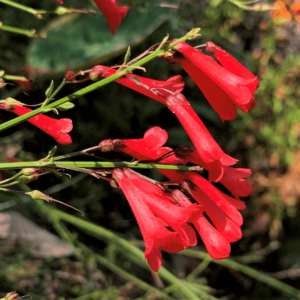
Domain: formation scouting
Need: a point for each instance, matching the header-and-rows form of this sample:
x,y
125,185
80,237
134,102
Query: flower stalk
x,y
96,85
93,165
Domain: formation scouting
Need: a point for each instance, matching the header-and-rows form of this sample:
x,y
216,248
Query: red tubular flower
x,y
112,12
217,246
58,129
222,88
211,155
221,208
155,234
155,89
216,196
172,214
234,182
223,223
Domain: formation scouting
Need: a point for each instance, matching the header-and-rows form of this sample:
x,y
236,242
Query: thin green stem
x,y
198,270
276,284
136,254
92,165
11,178
91,87
14,77
24,8
30,33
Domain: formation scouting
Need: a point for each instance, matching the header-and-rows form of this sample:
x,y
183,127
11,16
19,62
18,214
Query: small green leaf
x,y
50,89
65,106
55,111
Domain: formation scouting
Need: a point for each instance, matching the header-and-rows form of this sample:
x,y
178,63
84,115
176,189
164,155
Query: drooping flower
x,y
222,88
217,246
221,208
227,227
155,89
210,153
279,12
155,234
58,129
232,65
113,13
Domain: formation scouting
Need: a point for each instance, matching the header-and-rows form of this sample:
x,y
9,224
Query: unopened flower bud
x,y
70,76
187,185
12,102
24,179
106,146
97,72
29,171
37,195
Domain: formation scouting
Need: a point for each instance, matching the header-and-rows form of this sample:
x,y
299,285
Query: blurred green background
x,y
265,140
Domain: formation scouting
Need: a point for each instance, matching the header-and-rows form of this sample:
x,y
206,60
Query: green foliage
x,y
77,41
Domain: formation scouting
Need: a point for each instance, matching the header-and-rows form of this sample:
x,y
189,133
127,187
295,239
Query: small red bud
x,y
97,72
70,76
106,146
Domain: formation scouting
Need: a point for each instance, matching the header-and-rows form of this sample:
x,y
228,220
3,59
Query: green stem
x,y
91,87
110,237
11,178
121,272
92,165
24,8
13,77
276,284
30,33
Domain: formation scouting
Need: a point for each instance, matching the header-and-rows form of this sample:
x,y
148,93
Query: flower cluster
x,y
165,215
169,218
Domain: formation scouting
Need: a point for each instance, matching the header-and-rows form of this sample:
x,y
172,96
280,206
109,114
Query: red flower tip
x,y
234,182
217,246
112,12
59,1
235,67
58,129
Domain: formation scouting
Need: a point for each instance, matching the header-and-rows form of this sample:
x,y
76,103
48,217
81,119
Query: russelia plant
x,y
168,218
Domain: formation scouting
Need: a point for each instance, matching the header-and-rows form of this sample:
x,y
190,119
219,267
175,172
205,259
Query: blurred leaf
x,y
76,41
